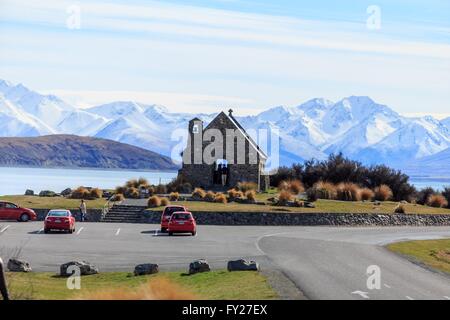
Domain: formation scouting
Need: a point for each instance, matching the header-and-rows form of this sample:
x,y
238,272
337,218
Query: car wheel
x,y
194,233
170,234
70,231
24,217
46,230
163,230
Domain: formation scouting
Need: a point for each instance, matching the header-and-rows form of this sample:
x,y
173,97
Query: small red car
x,y
167,213
59,220
182,222
11,211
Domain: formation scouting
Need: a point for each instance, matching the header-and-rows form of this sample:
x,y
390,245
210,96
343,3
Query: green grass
x,y
222,285
322,206
433,253
36,202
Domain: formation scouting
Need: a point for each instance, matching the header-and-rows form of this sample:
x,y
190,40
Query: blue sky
x,y
207,55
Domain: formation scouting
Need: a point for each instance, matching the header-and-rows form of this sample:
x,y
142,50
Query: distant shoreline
x,y
88,168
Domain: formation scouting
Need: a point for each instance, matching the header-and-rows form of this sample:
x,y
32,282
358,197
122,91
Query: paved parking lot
x,y
325,262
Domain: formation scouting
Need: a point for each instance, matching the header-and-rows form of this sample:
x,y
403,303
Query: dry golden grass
x,y
437,201
367,194
220,198
293,186
154,201
285,196
383,193
401,208
251,195
210,196
165,202
96,193
118,197
80,193
174,196
156,289
325,190
199,193
348,192
246,186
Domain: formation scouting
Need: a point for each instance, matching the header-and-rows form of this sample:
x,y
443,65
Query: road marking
x,y
266,236
79,230
40,231
409,298
156,233
4,229
118,231
447,297
387,286
363,294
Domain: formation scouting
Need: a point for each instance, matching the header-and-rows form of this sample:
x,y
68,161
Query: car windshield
x,y
169,211
181,216
58,214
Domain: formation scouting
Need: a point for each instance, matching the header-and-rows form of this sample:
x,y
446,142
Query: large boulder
x,y
198,266
29,192
146,268
16,265
242,265
86,268
66,192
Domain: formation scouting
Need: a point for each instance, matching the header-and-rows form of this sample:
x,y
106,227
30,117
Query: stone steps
x,y
124,214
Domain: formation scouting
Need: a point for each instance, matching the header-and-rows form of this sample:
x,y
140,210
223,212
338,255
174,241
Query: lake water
x,y
14,181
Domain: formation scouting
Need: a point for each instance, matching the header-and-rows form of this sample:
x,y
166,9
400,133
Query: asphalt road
x,y
324,262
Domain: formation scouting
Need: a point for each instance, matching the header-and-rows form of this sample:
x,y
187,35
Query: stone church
x,y
223,146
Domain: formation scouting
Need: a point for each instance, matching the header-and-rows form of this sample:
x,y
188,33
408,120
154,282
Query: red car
x,y
11,211
59,220
182,222
167,213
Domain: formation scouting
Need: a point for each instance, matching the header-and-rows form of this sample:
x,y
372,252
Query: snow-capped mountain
x,y
356,126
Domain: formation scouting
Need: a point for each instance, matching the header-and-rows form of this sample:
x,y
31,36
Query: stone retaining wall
x,y
309,219
93,215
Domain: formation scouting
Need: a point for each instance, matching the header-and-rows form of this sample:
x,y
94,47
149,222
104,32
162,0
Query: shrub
x,y
246,186
165,202
294,186
400,208
285,196
132,193
283,186
142,181
118,197
251,195
220,198
174,196
348,192
161,189
151,190
132,183
80,193
154,202
311,195
367,194
120,189
325,190
199,193
424,194
210,196
96,193
446,194
437,201
383,193
179,184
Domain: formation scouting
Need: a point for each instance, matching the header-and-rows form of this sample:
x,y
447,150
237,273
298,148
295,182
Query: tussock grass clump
x,y
210,196
199,193
348,192
220,198
235,194
161,189
401,208
284,197
246,186
174,196
96,193
367,194
132,193
118,197
325,190
383,193
437,201
132,183
165,202
293,186
80,193
250,195
155,289
154,202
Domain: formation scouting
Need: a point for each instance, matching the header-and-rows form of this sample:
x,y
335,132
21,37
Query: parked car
x,y
61,220
167,213
182,222
11,211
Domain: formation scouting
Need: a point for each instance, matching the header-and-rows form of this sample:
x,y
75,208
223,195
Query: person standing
x,y
83,210
224,175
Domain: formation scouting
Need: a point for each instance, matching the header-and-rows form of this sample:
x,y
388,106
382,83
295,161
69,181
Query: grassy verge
x,y
211,285
432,253
328,206
36,202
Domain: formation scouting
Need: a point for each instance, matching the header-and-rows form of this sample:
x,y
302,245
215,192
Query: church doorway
x,y
221,173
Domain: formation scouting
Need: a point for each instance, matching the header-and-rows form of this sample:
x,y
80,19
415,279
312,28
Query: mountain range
x,y
357,126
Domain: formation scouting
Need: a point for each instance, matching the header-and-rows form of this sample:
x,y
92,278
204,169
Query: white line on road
x,y
40,231
79,231
387,286
118,231
447,297
409,298
266,236
4,229
363,294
